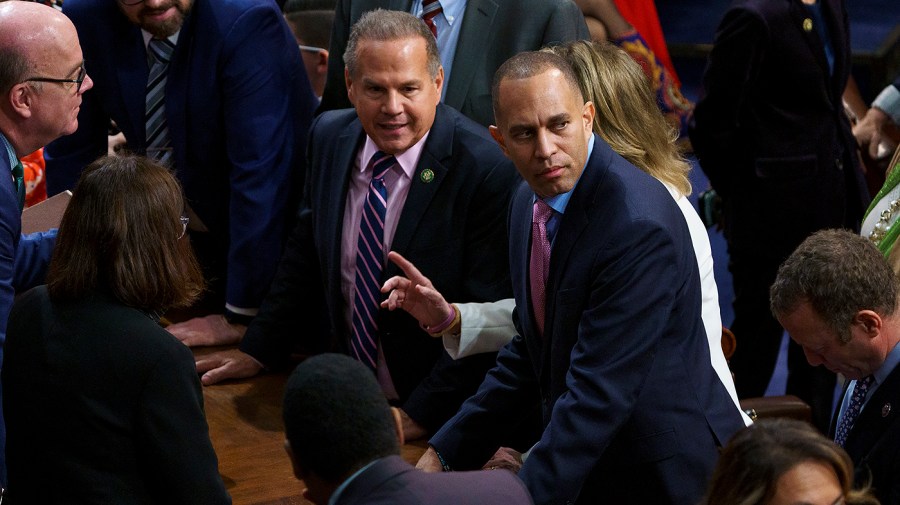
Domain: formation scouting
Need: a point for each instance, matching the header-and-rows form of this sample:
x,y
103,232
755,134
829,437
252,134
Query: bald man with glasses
x,y
42,81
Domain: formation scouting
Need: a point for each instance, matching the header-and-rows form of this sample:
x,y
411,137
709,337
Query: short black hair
x,y
336,418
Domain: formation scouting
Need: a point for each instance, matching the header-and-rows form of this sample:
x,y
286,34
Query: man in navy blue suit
x,y
447,195
619,363
237,105
348,451
42,80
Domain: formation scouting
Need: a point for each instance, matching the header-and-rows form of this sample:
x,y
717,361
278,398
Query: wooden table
x,y
247,433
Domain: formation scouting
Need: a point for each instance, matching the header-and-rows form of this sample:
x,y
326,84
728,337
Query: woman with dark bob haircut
x,y
781,462
104,404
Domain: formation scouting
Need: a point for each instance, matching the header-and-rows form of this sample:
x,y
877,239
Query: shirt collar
x,y
337,492
453,9
408,159
891,362
148,37
13,159
561,201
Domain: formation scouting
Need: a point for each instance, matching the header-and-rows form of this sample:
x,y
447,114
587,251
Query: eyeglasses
x,y
310,49
80,79
184,222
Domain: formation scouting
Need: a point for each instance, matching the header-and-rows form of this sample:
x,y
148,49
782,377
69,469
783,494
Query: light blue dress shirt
x,y
448,24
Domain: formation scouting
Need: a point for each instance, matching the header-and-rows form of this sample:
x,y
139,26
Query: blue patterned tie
x,y
18,174
159,52
370,262
856,402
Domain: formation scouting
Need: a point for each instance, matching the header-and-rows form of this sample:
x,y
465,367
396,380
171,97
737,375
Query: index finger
x,y
409,270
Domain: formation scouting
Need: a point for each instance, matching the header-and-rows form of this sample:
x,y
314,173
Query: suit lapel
x,y
435,155
574,221
877,416
334,201
474,37
800,20
178,84
132,71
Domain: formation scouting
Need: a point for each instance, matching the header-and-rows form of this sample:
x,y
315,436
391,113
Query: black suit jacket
x,y
632,409
770,130
103,406
874,441
452,228
492,31
392,481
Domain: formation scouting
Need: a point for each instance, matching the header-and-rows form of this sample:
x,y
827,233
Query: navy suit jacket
x,y
770,131
238,105
392,481
23,264
632,409
874,441
492,31
452,228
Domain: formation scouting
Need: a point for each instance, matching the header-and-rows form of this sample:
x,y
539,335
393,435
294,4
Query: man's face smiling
x,y
394,95
543,126
161,18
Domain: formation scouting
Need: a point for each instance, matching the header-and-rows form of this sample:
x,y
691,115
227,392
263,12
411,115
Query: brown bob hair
x,y
122,234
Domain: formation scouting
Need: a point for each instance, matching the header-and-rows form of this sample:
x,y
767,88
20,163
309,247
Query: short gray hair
x,y
383,25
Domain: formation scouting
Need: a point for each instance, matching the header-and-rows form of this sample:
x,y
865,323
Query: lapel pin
x,y
886,410
807,25
427,175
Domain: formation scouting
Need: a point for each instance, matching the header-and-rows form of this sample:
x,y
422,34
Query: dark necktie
x,y
159,53
430,9
539,262
853,408
18,175
370,262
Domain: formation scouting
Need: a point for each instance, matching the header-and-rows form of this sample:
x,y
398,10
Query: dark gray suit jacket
x,y
492,32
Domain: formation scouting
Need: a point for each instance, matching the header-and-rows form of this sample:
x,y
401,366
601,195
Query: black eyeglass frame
x,y
82,75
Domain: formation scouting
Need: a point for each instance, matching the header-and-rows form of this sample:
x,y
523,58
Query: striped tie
x,y
159,52
430,9
370,262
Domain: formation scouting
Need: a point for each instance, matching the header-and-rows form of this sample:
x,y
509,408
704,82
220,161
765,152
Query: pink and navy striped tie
x,y
370,262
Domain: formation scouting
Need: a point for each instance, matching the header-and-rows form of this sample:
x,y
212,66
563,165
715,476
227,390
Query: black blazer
x,y
452,228
770,130
103,406
874,441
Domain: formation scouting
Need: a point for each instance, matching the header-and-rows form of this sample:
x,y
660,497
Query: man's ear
x,y
587,113
498,137
322,64
21,99
398,424
870,321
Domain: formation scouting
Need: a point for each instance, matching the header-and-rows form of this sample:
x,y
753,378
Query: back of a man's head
x,y
311,20
336,417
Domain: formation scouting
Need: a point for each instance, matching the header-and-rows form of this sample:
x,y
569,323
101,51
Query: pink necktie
x,y
539,263
430,9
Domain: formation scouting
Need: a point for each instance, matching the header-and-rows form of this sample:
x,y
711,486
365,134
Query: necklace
x,y
883,226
